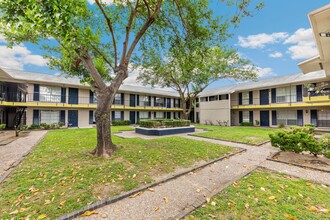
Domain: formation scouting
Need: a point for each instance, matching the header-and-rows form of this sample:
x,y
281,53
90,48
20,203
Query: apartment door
x,y
132,117
314,117
264,118
132,101
73,118
264,97
73,96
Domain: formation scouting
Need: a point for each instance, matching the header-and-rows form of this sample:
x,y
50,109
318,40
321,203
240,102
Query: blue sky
x,y
275,40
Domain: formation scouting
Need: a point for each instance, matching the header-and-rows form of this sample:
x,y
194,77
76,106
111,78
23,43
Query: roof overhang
x,y
320,23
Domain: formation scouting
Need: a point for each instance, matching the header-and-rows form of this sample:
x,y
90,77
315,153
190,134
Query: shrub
x,y
2,126
325,139
246,124
281,125
168,123
297,139
44,126
24,128
33,126
257,122
121,122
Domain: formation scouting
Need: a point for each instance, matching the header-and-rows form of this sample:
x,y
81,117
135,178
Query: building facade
x,y
34,98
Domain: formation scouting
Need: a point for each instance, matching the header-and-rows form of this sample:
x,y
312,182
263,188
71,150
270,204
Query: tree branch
x,y
110,29
144,28
103,56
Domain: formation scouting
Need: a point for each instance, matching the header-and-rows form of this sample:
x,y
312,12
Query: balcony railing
x,y
46,98
286,99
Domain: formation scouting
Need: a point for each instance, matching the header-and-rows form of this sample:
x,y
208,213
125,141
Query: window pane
x,y
49,117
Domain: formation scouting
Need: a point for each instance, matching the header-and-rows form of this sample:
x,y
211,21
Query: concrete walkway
x,y
13,152
171,199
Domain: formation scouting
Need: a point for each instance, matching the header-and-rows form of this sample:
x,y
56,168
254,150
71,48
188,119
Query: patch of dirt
x,y
306,160
7,137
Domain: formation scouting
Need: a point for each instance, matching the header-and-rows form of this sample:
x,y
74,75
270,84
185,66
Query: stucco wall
x,y
215,110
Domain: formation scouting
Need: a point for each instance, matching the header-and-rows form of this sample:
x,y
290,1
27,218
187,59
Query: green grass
x,y
268,195
58,177
246,135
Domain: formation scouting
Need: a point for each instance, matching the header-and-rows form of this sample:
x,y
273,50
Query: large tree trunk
x,y
105,147
185,111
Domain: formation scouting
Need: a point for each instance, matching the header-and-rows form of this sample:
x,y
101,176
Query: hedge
x,y
2,126
120,123
246,123
167,123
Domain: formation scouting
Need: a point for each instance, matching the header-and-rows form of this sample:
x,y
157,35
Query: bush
x,y
120,123
325,139
246,124
24,128
33,126
168,123
297,139
2,126
257,122
281,125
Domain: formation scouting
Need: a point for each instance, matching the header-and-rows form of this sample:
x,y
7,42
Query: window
x,y
117,99
245,98
159,102
246,116
117,115
159,115
50,94
144,115
144,100
286,94
49,117
323,118
288,117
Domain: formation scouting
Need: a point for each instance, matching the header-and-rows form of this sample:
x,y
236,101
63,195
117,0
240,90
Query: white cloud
x,y
132,78
19,56
276,54
107,2
264,72
304,44
260,40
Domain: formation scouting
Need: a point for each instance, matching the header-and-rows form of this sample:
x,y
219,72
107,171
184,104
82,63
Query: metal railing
x,y
47,98
287,99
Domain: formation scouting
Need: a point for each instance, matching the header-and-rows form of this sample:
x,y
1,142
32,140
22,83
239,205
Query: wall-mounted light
x,y
306,111
325,34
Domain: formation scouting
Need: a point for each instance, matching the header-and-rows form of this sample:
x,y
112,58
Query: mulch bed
x,y
320,163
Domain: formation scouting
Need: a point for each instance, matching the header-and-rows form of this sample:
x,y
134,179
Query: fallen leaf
x,y
47,202
62,203
256,199
207,200
313,209
247,206
213,216
262,188
151,190
88,213
198,190
235,184
156,209
271,197
288,216
136,194
43,216
134,175
213,203
165,200
14,212
104,215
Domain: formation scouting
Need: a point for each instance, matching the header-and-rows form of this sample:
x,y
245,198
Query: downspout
x,y
229,101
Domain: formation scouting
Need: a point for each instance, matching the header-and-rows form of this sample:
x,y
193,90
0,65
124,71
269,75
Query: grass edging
x,y
124,195
198,203
16,163
271,158
237,142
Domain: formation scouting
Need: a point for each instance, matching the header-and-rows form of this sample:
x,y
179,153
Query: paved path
x,y
171,198
14,151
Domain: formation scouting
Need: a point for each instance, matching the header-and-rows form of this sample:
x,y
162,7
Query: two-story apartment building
x,y
35,98
290,100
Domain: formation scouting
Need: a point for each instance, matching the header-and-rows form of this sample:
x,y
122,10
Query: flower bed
x,y
164,123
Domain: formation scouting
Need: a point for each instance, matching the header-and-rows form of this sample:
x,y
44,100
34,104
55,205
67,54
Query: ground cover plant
x,y
268,195
164,123
58,177
247,135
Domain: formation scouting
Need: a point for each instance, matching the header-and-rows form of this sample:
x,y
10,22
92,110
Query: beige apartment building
x,y
34,98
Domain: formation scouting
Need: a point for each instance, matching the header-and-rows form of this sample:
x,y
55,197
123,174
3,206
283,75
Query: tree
x,y
98,42
192,64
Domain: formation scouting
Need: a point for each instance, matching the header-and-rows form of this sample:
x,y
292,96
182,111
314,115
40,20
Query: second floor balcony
x,y
48,100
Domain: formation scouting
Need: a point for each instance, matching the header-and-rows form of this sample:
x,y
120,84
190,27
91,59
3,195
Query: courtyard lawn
x,y
268,195
246,135
58,177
